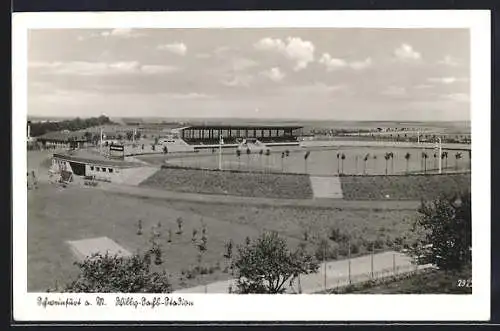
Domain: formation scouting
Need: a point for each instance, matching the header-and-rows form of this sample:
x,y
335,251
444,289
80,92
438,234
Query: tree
x,y
444,156
179,225
387,156
407,158
88,136
129,135
238,154
391,154
342,158
165,149
365,159
446,228
248,157
458,156
266,264
113,274
306,156
424,158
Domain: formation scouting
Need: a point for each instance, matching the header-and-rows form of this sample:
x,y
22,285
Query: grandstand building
x,y
235,134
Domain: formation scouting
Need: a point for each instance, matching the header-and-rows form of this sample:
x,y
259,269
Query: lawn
x,y
232,183
56,216
412,187
425,282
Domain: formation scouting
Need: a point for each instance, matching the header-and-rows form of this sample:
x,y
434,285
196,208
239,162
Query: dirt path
x,y
144,192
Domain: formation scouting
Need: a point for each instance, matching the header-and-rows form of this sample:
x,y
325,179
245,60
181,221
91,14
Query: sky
x,y
327,73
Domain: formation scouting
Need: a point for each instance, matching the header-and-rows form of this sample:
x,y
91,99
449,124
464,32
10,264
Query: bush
x,y
113,274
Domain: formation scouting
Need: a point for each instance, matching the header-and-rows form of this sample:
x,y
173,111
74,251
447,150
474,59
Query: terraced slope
x,y
232,183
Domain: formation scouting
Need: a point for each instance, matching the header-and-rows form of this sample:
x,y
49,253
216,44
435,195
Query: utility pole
x,y
221,141
440,152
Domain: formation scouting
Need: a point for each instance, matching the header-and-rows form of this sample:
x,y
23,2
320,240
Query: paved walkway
x,y
337,274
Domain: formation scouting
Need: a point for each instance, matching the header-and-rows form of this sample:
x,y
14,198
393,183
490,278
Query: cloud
x,y
423,86
360,65
317,88
395,91
274,74
238,80
101,68
203,56
449,61
239,64
187,96
457,97
176,48
121,33
332,63
298,50
407,53
446,80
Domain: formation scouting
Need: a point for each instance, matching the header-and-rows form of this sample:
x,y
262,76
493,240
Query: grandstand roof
x,y
241,126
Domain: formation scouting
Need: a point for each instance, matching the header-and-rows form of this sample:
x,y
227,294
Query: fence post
x,y
373,247
349,260
324,263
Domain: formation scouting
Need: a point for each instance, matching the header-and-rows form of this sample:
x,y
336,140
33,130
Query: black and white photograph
x,y
307,161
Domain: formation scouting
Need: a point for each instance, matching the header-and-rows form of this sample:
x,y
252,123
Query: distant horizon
x,y
179,119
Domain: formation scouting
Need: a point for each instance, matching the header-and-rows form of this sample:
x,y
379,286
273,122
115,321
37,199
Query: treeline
x,y
40,128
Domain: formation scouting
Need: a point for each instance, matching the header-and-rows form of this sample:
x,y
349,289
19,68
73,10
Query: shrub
x,y
111,274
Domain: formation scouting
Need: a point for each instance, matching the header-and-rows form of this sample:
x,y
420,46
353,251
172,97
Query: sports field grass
x,y
56,216
232,183
324,161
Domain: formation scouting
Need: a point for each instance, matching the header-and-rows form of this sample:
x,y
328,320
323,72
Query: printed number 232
x,y
464,283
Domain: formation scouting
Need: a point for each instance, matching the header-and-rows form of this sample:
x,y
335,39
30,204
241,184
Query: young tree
x,y
365,159
407,158
446,228
391,154
282,161
238,154
458,156
265,265
114,274
342,158
424,158
306,156
444,156
248,157
179,225
338,163
387,156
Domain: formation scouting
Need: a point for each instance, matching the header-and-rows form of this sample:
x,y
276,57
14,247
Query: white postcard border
x,y
215,307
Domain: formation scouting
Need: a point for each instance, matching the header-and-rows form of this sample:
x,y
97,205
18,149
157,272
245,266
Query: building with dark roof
x,y
231,134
